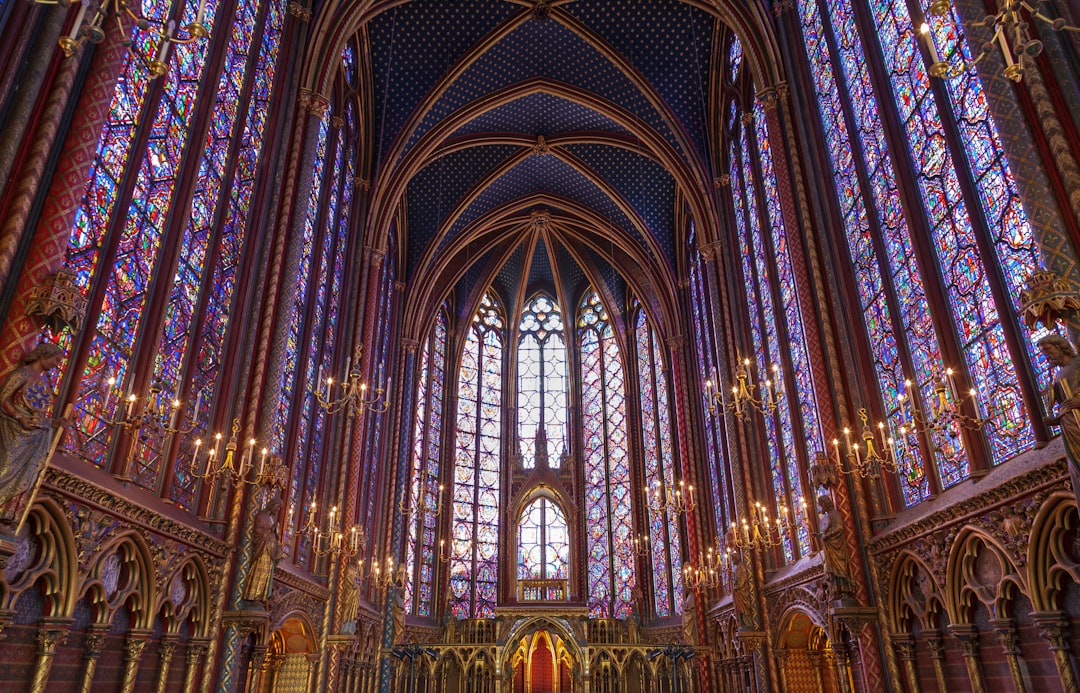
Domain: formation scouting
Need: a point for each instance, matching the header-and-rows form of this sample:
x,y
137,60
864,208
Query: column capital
x,y
904,646
968,637
1008,638
1054,626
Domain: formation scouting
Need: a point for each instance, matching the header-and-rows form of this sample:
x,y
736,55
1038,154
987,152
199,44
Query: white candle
x,y
110,385
163,47
130,404
78,21
200,16
175,414
925,30
262,464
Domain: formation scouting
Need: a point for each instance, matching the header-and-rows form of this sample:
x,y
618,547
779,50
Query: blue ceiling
x,y
667,43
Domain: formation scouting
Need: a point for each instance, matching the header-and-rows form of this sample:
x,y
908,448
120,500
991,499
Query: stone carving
x,y
742,596
835,550
350,598
689,618
1064,392
27,439
266,552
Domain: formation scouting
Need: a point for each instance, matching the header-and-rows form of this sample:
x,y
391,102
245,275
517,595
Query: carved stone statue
x,y
741,596
689,618
266,552
1064,392
350,598
834,547
399,612
633,621
26,436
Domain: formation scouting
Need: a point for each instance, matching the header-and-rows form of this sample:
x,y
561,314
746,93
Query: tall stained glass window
x,y
705,353
424,488
608,518
181,242
475,525
893,285
543,542
541,360
659,458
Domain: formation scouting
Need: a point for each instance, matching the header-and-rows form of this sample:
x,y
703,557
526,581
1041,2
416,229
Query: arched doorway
x,y
542,664
291,658
807,661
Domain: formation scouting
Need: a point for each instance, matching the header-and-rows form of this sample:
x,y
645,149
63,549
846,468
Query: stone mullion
x,y
937,654
93,643
133,651
1055,628
1008,638
397,534
968,637
48,250
51,634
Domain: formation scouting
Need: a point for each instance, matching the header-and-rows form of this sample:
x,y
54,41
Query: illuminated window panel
x,y
229,241
811,435
664,543
542,383
424,480
759,305
127,279
862,210
475,527
966,282
608,519
543,542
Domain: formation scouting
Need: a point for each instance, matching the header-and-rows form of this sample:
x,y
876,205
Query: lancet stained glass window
x,y
162,225
871,202
475,527
659,457
541,359
608,519
424,495
543,541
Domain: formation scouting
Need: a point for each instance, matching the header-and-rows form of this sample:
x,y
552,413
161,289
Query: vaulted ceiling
x,y
539,144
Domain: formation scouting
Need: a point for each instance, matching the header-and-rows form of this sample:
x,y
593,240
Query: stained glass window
x,y
734,58
541,359
475,527
543,541
608,519
871,200
424,489
192,243
659,457
707,372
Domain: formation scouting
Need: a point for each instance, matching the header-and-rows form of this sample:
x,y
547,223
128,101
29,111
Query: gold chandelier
x,y
1010,36
94,30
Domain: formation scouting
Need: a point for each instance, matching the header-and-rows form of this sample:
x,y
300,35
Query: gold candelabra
x,y
332,539
746,394
354,396
384,576
759,530
671,499
446,549
94,30
422,509
638,544
710,569
864,460
1010,36
156,415
223,463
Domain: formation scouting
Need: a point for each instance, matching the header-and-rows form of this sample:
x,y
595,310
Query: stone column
x,y
92,646
257,668
782,656
968,637
1054,626
51,634
842,658
165,655
905,650
815,661
937,652
1009,640
133,650
196,649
